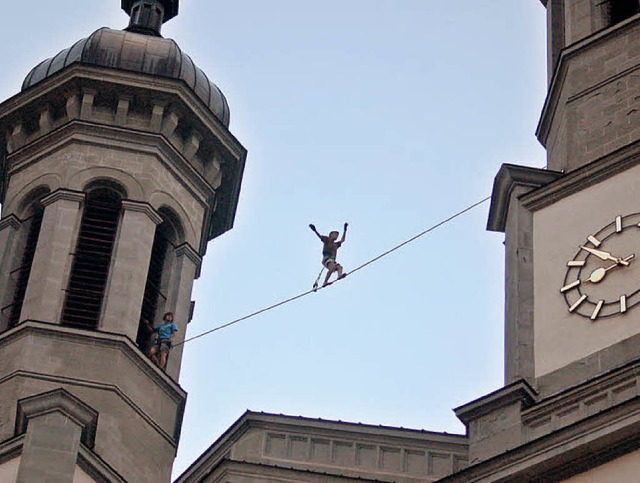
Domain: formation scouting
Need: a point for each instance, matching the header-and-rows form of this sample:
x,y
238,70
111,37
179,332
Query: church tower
x,y
116,168
570,407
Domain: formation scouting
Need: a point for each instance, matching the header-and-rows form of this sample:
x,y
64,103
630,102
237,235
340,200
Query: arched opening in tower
x,y
92,258
33,223
155,293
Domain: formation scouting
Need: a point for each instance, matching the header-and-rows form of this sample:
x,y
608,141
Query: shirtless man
x,y
330,252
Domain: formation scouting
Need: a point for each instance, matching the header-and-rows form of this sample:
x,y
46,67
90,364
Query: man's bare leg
x,y
163,359
153,356
331,267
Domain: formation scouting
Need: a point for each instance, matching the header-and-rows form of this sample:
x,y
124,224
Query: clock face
x,y
603,278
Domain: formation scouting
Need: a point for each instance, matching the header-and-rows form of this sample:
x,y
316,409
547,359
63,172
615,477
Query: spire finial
x,y
147,16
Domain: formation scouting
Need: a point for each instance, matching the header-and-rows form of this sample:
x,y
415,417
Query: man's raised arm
x,y
344,233
313,229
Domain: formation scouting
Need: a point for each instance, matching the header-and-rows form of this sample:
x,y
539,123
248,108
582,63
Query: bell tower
x,y
570,406
116,167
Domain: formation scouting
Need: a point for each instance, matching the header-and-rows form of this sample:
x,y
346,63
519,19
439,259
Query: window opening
x,y
622,9
154,295
24,270
92,259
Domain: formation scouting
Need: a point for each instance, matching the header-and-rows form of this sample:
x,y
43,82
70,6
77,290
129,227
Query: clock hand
x,y
599,273
605,255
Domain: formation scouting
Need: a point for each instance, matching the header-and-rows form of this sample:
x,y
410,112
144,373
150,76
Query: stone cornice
x,y
218,142
564,452
321,428
11,448
517,392
167,87
63,194
582,177
58,400
168,385
113,136
142,207
188,251
508,178
10,221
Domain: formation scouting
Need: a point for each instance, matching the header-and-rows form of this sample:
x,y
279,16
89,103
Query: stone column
x,y
129,268
9,227
187,262
53,256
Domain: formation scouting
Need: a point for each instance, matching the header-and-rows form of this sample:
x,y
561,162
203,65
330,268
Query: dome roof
x,y
146,54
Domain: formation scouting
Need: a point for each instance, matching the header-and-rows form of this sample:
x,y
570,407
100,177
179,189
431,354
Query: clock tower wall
x,y
592,108
566,329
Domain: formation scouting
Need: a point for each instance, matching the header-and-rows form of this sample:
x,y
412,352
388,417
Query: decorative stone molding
x,y
169,124
73,106
122,111
11,221
519,391
86,108
61,401
77,85
157,114
187,250
192,145
63,194
142,207
509,176
18,137
45,120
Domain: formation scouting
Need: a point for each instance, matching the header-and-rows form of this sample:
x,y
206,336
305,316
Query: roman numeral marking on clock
x,y
594,240
618,224
576,263
623,304
566,288
577,304
596,311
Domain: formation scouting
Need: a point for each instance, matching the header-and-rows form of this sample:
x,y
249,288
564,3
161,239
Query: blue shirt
x,y
166,330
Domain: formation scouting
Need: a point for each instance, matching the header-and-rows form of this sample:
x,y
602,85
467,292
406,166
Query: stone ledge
x,y
10,221
508,178
188,251
94,337
584,400
565,452
63,194
583,177
11,448
61,401
142,207
519,391
453,445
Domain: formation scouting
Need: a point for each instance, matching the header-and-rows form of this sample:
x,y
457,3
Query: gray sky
x,y
388,114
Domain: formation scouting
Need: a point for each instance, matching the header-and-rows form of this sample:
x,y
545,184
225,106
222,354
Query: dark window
x,y
24,270
92,259
154,295
620,10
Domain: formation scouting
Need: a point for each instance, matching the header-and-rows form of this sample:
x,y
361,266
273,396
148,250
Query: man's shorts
x,y
164,344
326,261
